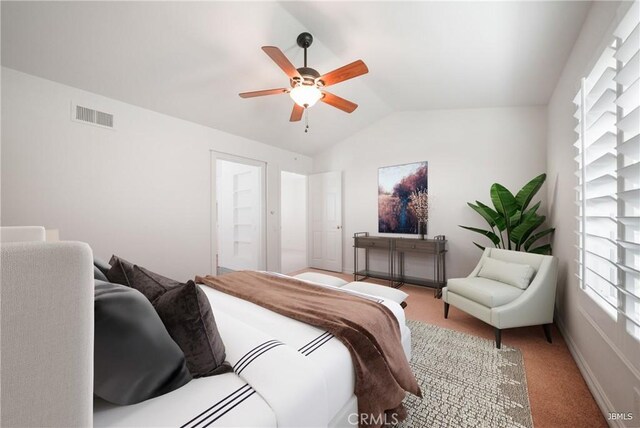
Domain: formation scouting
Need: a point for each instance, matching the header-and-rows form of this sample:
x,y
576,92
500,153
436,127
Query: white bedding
x,y
221,401
286,374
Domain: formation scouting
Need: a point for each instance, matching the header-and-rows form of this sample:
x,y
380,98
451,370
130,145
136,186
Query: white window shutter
x,y
608,191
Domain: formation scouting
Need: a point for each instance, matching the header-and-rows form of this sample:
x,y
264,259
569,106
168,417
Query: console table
x,y
395,249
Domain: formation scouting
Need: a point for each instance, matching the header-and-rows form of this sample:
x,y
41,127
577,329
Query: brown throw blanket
x,y
368,329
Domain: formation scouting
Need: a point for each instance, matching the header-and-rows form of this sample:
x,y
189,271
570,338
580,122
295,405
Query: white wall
x,y
142,191
467,151
609,359
294,221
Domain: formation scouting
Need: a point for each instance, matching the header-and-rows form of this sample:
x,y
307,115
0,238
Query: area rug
x,y
465,381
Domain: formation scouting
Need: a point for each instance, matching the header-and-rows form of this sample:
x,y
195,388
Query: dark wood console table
x,y
396,248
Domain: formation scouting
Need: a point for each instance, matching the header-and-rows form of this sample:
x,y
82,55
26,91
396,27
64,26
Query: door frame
x,y
213,231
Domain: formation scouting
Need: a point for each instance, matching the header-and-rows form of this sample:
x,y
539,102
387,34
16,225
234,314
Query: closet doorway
x,y
239,213
293,227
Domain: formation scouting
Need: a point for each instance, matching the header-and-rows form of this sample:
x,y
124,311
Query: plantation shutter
x,y
608,191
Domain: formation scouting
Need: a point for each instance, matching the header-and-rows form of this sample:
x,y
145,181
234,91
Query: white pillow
x,y
514,274
383,291
321,278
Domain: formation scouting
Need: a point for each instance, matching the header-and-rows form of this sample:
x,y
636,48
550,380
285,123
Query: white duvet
x,y
286,374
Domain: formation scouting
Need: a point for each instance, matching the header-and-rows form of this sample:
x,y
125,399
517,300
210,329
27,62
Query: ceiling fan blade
x,y
263,93
296,113
337,102
283,62
349,71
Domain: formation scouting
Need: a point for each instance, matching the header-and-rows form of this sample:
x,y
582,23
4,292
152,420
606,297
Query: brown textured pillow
x,y
151,284
121,271
148,283
187,316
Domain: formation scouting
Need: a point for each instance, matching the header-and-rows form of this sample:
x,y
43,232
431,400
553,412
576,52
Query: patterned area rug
x,y
465,381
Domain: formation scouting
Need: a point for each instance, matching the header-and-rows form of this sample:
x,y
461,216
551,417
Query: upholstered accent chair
x,y
494,296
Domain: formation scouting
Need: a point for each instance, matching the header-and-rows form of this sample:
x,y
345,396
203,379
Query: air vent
x,y
91,116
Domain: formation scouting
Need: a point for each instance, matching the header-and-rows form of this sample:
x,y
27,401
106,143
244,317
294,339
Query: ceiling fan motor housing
x,y
304,40
309,77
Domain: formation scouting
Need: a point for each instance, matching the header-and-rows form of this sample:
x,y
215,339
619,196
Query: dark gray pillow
x,y
187,315
101,264
98,274
135,358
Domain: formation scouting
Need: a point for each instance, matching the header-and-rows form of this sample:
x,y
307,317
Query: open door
x,y
325,237
240,214
293,222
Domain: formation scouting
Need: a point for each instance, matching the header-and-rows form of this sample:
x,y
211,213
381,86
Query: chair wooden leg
x,y
547,332
446,310
498,338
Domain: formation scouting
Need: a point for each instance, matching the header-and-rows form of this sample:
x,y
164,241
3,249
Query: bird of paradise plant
x,y
513,222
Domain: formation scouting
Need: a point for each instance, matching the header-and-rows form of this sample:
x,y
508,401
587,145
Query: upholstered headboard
x,y
46,352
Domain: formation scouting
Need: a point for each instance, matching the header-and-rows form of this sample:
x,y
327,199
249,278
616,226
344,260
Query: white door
x,y
293,222
239,214
325,196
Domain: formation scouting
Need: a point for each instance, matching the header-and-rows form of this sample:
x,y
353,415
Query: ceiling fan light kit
x,y
307,85
305,95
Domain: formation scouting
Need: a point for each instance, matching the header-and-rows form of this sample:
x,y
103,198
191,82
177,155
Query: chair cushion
x,y
486,292
382,291
516,274
321,278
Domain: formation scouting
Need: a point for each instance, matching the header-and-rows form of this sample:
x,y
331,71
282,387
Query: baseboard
x,y
598,393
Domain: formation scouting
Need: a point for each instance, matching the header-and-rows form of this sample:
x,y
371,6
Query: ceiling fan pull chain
x,y
306,120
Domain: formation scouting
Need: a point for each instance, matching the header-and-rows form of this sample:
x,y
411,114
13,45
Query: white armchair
x,y
503,305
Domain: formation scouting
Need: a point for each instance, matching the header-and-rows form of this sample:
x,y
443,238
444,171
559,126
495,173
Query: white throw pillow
x,y
321,278
382,291
514,274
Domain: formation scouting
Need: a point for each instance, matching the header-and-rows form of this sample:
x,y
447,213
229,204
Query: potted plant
x,y
513,223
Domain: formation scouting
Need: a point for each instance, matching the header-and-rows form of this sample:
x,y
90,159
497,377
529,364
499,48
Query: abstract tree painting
x,y
396,184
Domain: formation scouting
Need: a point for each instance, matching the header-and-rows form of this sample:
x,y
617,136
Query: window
x,y
608,191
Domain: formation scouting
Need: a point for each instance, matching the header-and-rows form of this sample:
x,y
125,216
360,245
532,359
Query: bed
x,y
286,374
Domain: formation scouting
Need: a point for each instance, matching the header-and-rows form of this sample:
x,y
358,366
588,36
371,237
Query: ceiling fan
x,y
307,85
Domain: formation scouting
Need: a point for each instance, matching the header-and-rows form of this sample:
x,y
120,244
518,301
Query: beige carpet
x,y
465,381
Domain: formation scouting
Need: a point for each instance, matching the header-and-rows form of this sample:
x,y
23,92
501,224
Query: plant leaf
x,y
479,246
497,218
524,196
528,224
494,238
533,238
483,213
544,249
515,219
503,200
533,209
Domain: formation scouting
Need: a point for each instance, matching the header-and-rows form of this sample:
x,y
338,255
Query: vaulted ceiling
x,y
191,59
